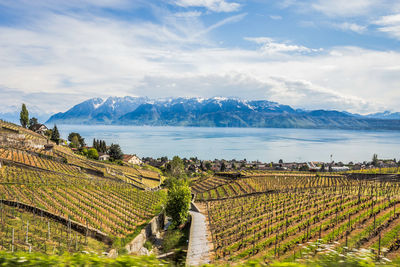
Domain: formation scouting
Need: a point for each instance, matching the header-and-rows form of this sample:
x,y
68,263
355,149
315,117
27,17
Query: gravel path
x,y
199,247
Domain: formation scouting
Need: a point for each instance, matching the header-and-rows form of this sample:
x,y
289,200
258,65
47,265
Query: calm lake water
x,y
239,143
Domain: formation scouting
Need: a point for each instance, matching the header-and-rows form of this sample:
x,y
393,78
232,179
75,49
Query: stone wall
x,y
155,226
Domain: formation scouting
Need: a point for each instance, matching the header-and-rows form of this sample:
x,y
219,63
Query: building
x,y
132,159
104,157
39,128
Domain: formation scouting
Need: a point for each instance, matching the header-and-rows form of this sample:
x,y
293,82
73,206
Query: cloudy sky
x,y
310,54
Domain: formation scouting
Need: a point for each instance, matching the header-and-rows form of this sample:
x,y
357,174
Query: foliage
x,y
176,168
172,239
48,133
93,154
76,139
32,121
55,135
33,259
90,259
74,142
84,151
100,145
375,160
178,201
115,152
148,245
223,167
304,168
24,116
208,165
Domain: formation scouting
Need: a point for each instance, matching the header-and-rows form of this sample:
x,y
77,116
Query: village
x,y
221,165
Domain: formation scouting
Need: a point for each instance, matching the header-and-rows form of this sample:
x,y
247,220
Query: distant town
x,y
221,165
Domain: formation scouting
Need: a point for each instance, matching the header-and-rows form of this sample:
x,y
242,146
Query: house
x,y
39,128
104,157
132,159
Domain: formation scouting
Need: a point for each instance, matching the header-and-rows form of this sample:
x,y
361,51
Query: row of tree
x,y
100,145
30,123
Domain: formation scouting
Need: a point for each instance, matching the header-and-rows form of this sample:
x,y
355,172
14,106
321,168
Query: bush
x,y
172,239
178,201
148,245
93,154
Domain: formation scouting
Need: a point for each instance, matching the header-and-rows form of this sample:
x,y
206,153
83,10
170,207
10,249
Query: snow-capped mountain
x,y
98,111
212,112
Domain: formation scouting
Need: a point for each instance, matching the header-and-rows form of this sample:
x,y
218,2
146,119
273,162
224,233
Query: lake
x,y
264,144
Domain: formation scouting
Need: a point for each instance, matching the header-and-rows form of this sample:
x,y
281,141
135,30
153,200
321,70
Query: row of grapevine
x,y
272,224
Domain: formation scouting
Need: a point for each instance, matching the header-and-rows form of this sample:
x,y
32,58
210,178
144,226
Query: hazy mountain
x,y
213,112
386,115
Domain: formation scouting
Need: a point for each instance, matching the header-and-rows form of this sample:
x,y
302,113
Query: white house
x,y
104,157
132,159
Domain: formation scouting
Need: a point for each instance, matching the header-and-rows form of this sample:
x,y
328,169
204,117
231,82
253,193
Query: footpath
x,y
199,247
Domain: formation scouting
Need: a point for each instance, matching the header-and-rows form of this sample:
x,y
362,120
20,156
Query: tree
x,y
48,133
93,154
375,160
322,167
103,146
304,168
85,151
76,139
208,165
32,121
55,135
178,201
176,167
223,167
115,152
24,116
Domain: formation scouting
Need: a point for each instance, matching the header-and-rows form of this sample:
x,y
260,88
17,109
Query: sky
x,y
310,54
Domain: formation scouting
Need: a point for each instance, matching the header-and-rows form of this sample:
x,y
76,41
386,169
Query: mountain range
x,y
217,112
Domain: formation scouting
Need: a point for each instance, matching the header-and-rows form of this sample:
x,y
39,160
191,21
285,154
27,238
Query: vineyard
x,y
24,231
277,216
113,200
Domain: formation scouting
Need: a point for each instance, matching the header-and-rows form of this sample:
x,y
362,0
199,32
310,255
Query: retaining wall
x,y
154,227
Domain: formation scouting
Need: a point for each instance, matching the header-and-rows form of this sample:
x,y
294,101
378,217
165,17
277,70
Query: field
x,y
116,201
276,216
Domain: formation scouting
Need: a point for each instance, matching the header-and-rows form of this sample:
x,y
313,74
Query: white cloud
x,y
390,25
61,60
270,46
344,7
212,5
275,17
347,26
232,19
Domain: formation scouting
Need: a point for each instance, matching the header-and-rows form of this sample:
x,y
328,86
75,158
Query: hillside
x,y
216,112
287,216
59,194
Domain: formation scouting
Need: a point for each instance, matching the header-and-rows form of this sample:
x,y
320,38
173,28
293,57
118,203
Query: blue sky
x,y
311,54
